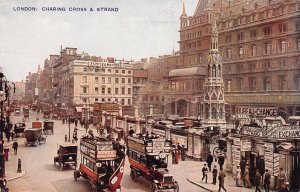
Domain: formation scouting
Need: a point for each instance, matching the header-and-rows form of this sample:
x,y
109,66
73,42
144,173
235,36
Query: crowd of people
x,y
242,176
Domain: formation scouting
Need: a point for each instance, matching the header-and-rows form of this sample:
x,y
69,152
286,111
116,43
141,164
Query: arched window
x,y
221,113
206,111
214,113
214,71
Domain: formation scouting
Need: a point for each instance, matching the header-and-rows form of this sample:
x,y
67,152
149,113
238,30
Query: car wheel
x,y
76,175
133,175
153,188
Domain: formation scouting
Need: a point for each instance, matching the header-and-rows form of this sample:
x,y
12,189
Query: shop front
x,y
262,150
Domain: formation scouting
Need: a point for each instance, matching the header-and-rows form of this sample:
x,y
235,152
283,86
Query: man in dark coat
x,y
257,181
221,161
15,147
204,173
221,180
267,181
209,161
214,174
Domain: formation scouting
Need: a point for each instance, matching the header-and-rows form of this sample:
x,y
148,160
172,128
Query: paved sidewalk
x,y
230,185
11,165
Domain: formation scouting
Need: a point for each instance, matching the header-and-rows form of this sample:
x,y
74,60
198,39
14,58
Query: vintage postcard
x,y
149,95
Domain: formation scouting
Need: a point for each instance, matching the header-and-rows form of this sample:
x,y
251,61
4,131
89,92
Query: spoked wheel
x,y
76,175
133,175
153,188
177,186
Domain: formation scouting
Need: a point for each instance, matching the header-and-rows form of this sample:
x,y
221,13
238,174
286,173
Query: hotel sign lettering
x,y
257,111
289,133
252,131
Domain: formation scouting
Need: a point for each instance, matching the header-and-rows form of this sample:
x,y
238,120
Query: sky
x,y
139,29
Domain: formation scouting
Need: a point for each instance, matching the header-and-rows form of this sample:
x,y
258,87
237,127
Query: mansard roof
x,y
191,71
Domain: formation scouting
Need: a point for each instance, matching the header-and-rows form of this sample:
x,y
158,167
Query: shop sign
x,y
246,146
269,147
257,111
289,133
251,131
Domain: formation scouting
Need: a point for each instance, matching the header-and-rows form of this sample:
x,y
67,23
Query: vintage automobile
x,y
66,155
46,114
34,137
148,158
108,159
48,127
55,115
17,111
19,128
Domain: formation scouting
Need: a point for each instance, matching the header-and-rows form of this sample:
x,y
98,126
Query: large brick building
x,y
259,42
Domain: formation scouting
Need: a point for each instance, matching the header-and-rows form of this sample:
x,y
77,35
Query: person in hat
x,y
281,178
238,177
247,177
214,174
267,180
15,146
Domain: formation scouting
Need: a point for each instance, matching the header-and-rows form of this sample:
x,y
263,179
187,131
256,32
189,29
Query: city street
x,y
42,175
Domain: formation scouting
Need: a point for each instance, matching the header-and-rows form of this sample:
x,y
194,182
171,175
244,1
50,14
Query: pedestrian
x,y
13,134
86,126
177,156
221,161
214,174
204,173
243,167
173,156
15,147
209,161
281,178
75,122
6,153
178,146
247,177
257,181
221,180
285,187
267,180
238,177
182,151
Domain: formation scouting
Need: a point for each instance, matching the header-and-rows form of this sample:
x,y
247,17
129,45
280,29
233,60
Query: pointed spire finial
x,y
183,14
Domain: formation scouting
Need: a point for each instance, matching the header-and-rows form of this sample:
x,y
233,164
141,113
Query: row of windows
x,y
153,98
278,64
259,16
103,70
282,47
253,34
116,100
265,83
108,80
107,90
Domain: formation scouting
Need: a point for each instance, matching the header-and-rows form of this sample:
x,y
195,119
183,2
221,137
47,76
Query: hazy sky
x,y
141,28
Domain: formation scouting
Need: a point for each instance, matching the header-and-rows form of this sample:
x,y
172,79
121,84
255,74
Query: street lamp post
x,y
4,96
69,127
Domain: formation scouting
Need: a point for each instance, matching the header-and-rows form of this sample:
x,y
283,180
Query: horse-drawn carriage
x,y
34,137
48,127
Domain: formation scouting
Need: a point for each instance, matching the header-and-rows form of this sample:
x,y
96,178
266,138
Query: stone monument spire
x,y
213,102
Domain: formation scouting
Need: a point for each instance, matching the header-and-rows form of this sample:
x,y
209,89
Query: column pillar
x,y
175,107
229,155
136,111
151,110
